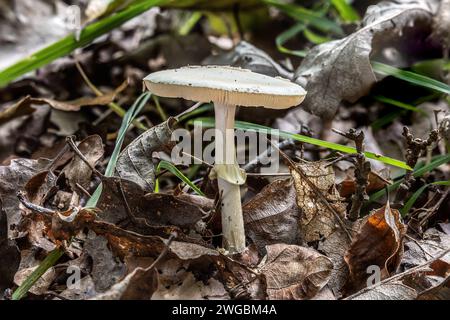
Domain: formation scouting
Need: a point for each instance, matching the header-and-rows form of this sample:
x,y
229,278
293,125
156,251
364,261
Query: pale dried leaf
x,y
41,285
294,272
317,220
387,291
77,171
134,162
340,70
13,178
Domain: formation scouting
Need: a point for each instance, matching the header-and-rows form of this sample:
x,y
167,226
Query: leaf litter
x,y
146,241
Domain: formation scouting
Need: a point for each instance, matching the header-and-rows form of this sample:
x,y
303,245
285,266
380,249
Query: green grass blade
x,y
346,11
47,263
411,77
174,170
241,125
415,196
314,37
302,14
399,104
381,122
288,34
68,44
190,23
129,117
417,173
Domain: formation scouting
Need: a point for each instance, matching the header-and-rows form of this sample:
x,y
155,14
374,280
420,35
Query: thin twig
x,y
77,151
414,149
362,171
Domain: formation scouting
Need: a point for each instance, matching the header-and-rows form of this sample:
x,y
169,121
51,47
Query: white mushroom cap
x,y
226,85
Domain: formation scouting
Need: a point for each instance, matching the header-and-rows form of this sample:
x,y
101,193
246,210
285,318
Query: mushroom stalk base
x,y
231,210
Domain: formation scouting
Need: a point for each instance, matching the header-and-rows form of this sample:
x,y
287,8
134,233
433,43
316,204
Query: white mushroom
x,y
227,87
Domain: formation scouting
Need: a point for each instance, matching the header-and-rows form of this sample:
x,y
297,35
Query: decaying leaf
x,y
42,284
84,289
134,161
18,109
348,186
106,269
271,216
334,247
9,254
387,291
317,220
433,284
294,272
378,243
157,209
13,178
137,285
340,70
77,171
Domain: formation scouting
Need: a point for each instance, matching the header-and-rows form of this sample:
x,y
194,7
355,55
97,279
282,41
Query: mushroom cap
x,y
226,85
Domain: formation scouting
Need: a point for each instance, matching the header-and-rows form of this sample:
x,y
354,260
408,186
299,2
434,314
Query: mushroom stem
x,y
229,179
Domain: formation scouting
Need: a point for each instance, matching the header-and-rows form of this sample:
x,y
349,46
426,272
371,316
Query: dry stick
x,y
77,151
172,236
414,150
362,171
400,275
316,190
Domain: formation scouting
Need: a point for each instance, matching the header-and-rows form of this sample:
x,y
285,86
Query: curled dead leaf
x,y
379,243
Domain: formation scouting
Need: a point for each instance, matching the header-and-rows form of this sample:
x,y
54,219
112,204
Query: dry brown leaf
x,y
379,242
137,285
340,70
18,109
106,268
13,178
9,254
348,186
41,285
294,272
317,220
77,171
271,216
134,161
387,291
